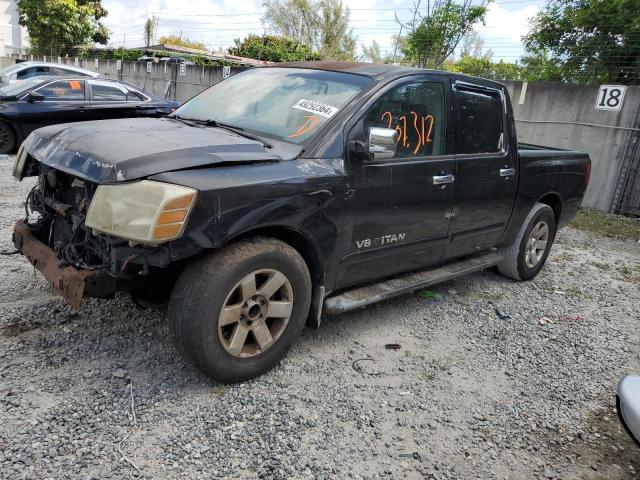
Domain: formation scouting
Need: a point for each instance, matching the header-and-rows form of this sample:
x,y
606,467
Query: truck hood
x,y
108,151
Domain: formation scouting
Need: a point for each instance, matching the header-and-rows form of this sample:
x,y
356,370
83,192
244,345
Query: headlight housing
x,y
143,212
18,163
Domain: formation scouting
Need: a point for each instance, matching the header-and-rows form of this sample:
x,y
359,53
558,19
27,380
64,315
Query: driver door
x,y
398,213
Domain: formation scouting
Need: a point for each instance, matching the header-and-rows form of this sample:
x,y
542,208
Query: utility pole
x,y
124,45
395,49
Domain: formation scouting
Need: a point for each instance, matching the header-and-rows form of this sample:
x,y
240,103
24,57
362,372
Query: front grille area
x,y
56,208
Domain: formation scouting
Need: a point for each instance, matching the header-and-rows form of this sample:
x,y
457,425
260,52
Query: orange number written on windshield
x,y
309,124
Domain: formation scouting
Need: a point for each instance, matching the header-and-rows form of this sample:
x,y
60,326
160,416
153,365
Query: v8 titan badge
x,y
318,108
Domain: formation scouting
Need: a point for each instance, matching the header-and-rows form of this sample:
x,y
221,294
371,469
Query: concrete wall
x,y
164,79
544,108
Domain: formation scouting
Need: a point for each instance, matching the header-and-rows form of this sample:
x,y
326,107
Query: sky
x,y
218,22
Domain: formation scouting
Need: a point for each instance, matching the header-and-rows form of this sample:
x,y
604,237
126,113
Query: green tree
x,y
433,37
472,45
485,68
539,66
295,19
58,25
322,25
182,42
591,41
336,41
273,48
372,53
149,31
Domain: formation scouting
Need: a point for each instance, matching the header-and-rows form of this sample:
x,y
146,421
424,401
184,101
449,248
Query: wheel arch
x,y
294,238
553,200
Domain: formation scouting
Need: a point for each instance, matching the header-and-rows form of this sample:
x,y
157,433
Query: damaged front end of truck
x,y
100,219
58,237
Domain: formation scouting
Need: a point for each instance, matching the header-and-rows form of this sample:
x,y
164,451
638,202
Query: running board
x,y
363,296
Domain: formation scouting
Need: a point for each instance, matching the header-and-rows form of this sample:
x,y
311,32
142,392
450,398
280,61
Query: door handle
x,y
507,172
443,179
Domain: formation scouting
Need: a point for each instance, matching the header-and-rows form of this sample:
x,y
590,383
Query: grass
x,y
609,225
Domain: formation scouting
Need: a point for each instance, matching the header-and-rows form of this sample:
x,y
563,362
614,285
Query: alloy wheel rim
x,y
255,313
537,244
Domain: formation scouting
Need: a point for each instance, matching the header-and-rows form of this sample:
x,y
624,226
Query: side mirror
x,y
628,405
382,142
35,97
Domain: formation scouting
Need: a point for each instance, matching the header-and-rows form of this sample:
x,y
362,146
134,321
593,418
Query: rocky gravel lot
x,y
100,392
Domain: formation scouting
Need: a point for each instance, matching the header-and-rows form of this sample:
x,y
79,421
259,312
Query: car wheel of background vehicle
x,y
7,138
528,253
236,312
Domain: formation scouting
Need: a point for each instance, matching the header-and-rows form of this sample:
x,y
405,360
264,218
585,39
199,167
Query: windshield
x,y
18,87
289,104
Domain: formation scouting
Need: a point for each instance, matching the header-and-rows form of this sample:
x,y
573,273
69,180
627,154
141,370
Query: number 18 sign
x,y
610,97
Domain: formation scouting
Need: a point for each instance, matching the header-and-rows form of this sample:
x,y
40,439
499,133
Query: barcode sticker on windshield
x,y
321,109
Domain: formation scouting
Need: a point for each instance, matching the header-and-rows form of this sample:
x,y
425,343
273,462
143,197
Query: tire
x,y
7,138
521,262
209,337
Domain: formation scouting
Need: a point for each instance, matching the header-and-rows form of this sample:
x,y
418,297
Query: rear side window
x,y
65,90
63,71
108,93
32,72
102,91
479,121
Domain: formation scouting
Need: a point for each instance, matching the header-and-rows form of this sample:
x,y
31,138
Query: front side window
x,y
290,104
64,90
479,121
416,111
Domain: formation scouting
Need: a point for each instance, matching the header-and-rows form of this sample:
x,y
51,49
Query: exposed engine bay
x,y
77,261
56,209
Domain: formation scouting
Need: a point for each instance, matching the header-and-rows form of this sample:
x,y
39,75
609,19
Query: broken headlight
x,y
18,163
143,212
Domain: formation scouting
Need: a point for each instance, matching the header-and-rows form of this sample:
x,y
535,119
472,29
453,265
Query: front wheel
x,y
527,255
235,313
7,138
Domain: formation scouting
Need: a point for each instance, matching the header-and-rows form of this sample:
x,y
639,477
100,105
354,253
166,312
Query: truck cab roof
x,y
381,72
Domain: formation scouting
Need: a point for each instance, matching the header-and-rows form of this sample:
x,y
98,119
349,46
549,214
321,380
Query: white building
x,y
14,39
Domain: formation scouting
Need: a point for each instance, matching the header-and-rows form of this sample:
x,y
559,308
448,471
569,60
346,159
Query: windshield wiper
x,y
186,121
192,122
237,130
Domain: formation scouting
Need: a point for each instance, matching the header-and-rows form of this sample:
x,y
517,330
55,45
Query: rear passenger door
x,y
486,177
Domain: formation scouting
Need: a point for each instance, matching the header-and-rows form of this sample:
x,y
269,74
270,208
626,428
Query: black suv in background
x,y
40,101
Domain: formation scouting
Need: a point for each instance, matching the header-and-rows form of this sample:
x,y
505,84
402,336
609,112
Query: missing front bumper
x,y
69,282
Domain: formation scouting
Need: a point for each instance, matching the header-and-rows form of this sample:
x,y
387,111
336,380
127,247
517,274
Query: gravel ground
x,y
100,392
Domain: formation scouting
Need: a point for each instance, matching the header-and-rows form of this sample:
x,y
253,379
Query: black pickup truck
x,y
288,191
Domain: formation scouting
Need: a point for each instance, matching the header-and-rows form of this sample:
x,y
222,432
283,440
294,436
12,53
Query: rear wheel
x,y
7,138
236,313
527,255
